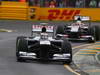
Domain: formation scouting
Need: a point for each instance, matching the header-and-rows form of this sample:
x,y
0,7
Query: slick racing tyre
x,y
92,31
60,30
21,45
66,47
97,33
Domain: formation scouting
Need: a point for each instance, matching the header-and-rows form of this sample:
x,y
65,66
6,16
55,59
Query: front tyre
x,y
66,47
21,45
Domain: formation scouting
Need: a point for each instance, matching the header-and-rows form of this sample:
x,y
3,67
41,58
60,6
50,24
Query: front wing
x,y
82,38
56,57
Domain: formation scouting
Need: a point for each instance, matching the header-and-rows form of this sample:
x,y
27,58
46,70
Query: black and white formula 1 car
x,y
82,29
43,45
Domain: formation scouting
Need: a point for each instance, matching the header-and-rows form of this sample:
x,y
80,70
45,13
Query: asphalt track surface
x,y
8,63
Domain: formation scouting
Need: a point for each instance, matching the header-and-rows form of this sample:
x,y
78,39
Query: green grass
x,y
2,30
5,30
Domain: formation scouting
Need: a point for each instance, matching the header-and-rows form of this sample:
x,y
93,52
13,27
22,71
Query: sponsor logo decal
x,y
65,14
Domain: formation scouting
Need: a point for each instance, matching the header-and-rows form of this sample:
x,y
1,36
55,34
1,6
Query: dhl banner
x,y
22,11
67,13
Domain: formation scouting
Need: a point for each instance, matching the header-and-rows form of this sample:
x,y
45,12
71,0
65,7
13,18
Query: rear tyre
x,y
66,47
97,33
92,32
21,45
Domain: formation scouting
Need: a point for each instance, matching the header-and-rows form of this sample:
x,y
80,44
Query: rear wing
x,y
38,28
82,18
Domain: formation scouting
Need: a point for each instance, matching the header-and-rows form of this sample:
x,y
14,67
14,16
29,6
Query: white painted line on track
x,y
71,70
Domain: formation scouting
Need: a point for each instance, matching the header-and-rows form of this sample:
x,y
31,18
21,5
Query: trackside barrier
x,y
18,10
14,10
22,11
33,13
68,13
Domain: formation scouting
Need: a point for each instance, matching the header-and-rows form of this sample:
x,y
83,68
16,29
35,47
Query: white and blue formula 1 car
x,y
82,29
43,45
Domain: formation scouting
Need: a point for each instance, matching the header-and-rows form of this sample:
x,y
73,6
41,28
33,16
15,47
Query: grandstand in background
x,y
62,3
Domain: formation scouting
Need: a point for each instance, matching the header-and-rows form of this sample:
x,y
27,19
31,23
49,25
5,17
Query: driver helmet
x,y
44,35
43,30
